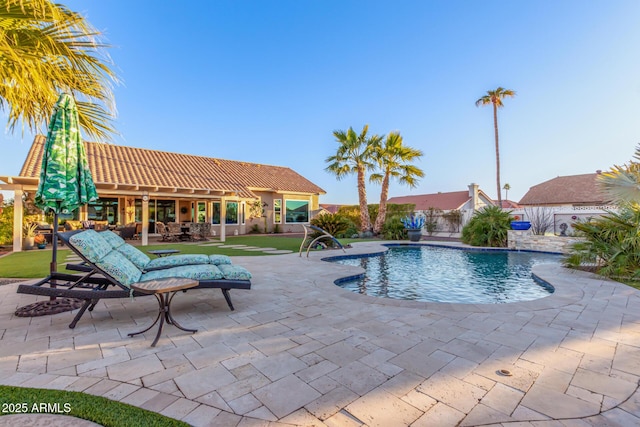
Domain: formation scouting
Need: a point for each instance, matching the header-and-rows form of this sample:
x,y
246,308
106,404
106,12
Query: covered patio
x,y
147,186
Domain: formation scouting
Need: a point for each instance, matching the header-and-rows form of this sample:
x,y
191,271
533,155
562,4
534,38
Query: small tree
x,y
453,219
541,219
431,219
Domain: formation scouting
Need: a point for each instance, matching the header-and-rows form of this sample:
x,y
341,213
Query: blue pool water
x,y
436,274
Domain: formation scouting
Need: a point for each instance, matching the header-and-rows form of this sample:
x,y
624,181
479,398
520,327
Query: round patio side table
x,y
164,290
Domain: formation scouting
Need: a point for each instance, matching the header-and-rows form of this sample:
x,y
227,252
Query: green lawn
x,y
35,263
86,406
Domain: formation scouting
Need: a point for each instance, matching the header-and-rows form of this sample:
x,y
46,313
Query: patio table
x,y
160,289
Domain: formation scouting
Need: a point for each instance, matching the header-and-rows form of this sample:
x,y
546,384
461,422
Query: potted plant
x,y
40,241
414,225
29,234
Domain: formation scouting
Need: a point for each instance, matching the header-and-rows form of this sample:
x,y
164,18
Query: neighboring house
x,y
140,185
330,208
507,204
466,202
566,199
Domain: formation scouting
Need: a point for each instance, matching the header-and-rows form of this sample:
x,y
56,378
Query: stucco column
x,y
223,219
17,220
145,220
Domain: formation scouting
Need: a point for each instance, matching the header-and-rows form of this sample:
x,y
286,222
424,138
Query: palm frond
x,y
46,49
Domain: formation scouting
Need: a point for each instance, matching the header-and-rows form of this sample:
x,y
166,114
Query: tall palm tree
x,y
47,49
495,97
354,156
394,161
622,183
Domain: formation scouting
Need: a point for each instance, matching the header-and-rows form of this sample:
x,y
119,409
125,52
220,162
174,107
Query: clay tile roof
x,y
507,204
114,164
573,189
443,201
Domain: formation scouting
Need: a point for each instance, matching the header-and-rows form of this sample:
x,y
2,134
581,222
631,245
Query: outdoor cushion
x,y
113,239
219,259
175,261
91,245
120,268
195,272
234,272
136,256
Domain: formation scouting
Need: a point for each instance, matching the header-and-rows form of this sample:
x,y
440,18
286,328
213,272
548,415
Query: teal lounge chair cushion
x,y
219,259
176,261
91,245
136,256
120,268
113,239
234,272
195,272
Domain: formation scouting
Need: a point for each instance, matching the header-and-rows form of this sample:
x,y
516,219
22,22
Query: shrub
x,y
255,229
487,227
394,229
351,213
334,224
611,245
6,225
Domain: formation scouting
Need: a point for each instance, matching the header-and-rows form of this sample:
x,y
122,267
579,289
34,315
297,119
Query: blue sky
x,y
269,81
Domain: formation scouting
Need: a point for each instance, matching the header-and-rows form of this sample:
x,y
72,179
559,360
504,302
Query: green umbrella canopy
x,y
65,178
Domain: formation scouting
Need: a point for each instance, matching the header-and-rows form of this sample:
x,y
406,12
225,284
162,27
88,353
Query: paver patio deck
x,y
298,350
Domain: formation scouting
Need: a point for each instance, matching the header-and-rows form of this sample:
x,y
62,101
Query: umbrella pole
x,y
53,267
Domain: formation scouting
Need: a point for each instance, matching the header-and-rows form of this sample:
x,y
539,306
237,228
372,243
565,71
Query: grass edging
x,y
109,413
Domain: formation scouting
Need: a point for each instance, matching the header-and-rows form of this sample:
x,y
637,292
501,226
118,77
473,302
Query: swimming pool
x,y
439,274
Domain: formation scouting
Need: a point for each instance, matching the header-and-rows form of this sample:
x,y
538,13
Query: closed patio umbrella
x,y
65,178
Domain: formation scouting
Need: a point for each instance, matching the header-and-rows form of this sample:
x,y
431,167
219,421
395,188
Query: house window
x,y
232,213
297,211
202,212
103,210
277,211
215,213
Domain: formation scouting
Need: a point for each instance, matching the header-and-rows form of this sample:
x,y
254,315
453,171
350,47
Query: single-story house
x,y
466,202
566,191
564,200
149,186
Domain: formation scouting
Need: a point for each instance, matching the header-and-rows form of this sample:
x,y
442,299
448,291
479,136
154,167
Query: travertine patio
x,y
300,351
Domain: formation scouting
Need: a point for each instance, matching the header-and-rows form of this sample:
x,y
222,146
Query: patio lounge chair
x,y
112,271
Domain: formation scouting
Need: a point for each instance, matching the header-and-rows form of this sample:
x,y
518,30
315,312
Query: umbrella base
x,y
44,308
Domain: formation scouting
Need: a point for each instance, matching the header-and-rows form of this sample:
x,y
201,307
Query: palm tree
x,y
622,183
394,161
495,97
506,189
354,156
47,49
